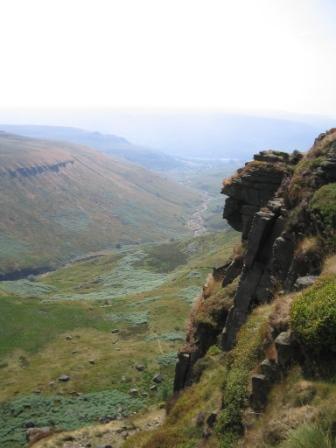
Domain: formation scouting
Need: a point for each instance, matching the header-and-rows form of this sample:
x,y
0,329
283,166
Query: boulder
x,y
157,378
211,420
33,435
134,392
269,369
64,378
284,348
260,388
140,367
304,282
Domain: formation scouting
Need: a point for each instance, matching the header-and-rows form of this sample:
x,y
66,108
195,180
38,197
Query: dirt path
x,y
196,221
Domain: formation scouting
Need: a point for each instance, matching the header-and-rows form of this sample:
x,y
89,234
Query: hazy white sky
x,y
233,55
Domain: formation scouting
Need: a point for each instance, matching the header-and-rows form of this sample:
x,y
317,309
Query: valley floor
x,y
96,341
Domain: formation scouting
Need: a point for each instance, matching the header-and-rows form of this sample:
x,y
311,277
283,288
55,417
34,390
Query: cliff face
x,y
276,202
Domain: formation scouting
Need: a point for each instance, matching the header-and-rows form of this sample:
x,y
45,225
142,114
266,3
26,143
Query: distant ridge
x,y
61,200
110,144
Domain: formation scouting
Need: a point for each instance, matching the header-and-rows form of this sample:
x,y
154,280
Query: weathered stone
x,y
33,435
157,378
238,313
259,230
269,368
260,388
134,392
283,250
140,367
181,370
283,345
63,378
304,282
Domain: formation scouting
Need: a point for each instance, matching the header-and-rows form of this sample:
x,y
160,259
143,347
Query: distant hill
x,y
110,144
61,200
210,134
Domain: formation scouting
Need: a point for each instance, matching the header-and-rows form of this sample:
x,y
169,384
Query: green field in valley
x,y
110,323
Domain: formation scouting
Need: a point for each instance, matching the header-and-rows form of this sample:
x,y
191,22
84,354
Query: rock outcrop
x,y
270,201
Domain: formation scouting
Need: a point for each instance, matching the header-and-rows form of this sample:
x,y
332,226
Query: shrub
x,y
323,206
309,436
313,316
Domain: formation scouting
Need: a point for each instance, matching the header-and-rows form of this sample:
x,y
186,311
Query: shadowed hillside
x,y
61,200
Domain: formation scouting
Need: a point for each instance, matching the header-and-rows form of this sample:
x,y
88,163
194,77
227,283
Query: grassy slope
x,y
90,204
149,307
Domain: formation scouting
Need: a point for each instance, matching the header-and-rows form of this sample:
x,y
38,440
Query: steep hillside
x,y
258,366
61,200
116,146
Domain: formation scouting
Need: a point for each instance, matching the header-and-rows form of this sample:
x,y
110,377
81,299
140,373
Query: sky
x,y
238,55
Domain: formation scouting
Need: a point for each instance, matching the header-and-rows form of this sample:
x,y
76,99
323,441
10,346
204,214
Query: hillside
x,y
258,365
61,200
111,323
117,147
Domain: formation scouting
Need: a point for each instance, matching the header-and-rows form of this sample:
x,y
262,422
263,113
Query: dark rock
x,y
140,367
211,420
283,250
284,347
106,419
115,330
134,392
64,378
68,439
269,368
259,229
260,388
238,313
29,424
157,378
227,273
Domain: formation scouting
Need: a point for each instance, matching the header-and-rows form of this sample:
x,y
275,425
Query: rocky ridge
x,y
274,202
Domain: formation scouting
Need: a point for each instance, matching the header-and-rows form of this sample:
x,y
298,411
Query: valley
x,y
112,324
60,201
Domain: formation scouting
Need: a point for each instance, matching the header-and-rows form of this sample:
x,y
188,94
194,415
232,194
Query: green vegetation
x,y
66,412
310,436
95,320
244,358
223,386
323,205
313,316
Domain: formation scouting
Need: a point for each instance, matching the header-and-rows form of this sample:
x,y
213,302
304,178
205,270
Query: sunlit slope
x,y
62,200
